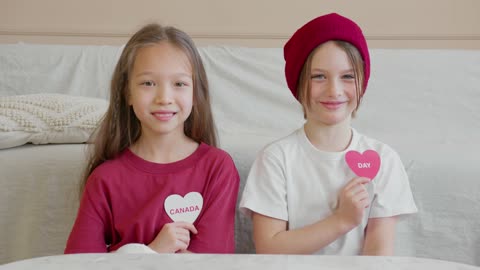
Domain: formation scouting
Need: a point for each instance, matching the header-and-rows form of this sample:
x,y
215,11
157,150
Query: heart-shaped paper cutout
x,y
363,165
186,208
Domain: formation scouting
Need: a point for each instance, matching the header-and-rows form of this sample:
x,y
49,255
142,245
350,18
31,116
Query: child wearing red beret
x,y
326,188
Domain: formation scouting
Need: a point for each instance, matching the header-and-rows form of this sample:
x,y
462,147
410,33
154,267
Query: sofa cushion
x,y
48,118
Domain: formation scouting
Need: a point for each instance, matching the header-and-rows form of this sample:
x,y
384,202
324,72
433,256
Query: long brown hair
x,y
120,128
355,58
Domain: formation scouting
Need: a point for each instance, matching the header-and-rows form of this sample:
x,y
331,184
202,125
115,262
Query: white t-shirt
x,y
293,181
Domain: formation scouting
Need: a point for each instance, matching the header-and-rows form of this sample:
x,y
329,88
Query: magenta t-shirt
x,y
124,198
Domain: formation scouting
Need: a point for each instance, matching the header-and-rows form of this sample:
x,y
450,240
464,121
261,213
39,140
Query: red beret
x,y
317,31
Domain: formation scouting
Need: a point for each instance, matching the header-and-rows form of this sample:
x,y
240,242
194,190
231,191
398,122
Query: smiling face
x,y
161,89
332,97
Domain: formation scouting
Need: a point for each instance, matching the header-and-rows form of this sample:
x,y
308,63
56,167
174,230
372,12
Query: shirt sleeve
x,y
393,195
89,232
216,225
265,191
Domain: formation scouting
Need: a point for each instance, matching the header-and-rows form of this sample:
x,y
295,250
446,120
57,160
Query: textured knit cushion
x,y
48,118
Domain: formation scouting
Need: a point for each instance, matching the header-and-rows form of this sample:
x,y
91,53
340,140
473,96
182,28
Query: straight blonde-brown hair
x,y
120,128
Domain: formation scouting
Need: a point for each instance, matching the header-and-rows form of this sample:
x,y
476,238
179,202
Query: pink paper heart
x,y
363,165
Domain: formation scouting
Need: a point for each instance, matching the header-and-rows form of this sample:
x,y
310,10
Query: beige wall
x,y
260,23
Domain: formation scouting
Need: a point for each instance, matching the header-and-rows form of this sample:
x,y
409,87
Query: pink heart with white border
x,y
363,165
186,208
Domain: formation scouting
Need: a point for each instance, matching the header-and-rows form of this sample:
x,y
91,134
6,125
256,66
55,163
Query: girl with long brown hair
x,y
155,177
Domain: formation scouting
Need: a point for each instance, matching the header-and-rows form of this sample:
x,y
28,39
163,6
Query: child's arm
x,y
89,231
173,237
271,235
379,236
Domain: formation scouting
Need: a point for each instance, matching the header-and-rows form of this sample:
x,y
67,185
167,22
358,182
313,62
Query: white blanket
x,y
423,103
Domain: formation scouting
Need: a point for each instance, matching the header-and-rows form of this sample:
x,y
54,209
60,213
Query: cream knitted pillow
x,y
48,118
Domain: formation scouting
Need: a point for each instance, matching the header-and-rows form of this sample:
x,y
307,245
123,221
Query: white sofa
x,y
424,103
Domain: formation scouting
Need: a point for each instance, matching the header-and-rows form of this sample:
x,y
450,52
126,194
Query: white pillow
x,y
48,118
134,248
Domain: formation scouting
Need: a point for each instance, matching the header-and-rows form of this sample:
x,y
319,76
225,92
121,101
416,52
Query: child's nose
x,y
334,88
163,95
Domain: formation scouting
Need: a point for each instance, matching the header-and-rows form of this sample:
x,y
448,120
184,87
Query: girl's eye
x,y
349,76
180,84
318,76
148,83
